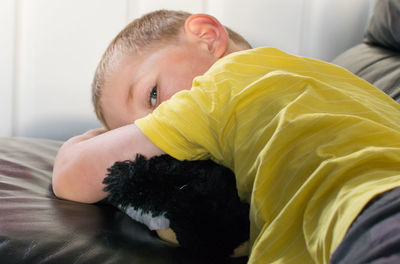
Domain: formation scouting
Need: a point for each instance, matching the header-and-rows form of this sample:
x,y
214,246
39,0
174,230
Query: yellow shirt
x,y
309,142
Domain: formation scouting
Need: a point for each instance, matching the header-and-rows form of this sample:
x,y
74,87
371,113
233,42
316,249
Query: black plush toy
x,y
198,200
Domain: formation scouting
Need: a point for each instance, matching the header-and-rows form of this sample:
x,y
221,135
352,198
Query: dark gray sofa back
x,y
377,60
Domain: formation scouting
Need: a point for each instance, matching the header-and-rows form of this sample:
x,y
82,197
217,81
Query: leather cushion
x,y
377,60
375,64
384,26
36,227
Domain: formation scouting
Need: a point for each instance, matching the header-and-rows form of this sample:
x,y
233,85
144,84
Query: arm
x,y
81,163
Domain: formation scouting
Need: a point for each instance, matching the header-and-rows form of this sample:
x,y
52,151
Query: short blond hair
x,y
155,27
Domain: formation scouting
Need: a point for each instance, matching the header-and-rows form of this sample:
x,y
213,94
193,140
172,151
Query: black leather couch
x,y
36,227
377,59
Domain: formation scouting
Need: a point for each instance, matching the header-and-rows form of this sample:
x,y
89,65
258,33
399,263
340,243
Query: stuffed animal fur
x,y
198,200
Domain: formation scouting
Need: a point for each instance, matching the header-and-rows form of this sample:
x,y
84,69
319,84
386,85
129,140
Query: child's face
x,y
141,82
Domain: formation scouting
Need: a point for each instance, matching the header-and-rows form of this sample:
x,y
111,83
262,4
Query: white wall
x,y
50,48
59,44
7,52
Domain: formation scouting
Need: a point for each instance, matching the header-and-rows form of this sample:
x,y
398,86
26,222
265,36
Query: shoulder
x,y
234,72
242,64
251,55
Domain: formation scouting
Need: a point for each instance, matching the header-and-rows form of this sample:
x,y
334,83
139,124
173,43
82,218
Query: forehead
x,y
115,93
120,85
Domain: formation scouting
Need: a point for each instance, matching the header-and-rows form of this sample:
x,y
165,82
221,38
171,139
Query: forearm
x,y
82,162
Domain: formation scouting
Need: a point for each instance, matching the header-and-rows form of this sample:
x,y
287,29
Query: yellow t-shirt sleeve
x,y
183,126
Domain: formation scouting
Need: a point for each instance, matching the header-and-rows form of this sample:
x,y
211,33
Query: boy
x,y
310,143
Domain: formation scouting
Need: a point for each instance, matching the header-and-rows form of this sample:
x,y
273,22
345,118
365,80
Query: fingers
x,y
94,132
85,136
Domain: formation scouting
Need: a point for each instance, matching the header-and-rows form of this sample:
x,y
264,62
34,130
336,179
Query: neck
x,y
233,47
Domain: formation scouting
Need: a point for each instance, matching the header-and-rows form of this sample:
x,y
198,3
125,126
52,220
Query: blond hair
x,y
155,27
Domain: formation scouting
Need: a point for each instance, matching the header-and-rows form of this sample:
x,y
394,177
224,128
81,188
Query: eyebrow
x,y
131,92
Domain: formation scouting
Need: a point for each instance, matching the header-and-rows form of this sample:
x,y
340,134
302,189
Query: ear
x,y
209,31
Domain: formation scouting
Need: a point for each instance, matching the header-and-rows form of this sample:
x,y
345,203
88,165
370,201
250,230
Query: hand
x,y
87,135
94,132
67,152
81,163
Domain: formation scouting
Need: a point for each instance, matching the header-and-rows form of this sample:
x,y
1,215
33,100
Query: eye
x,y
153,96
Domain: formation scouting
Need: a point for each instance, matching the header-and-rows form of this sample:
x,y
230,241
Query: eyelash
x,y
153,96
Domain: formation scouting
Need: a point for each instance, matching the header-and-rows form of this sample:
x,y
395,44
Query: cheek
x,y
179,82
168,93
181,77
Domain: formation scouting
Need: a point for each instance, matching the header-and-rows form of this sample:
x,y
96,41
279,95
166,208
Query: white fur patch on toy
x,y
152,222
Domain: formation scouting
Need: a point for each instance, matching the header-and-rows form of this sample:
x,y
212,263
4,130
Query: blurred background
x,y
50,48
